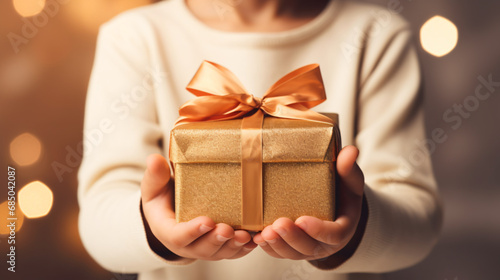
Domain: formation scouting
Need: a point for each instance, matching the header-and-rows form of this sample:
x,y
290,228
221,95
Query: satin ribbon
x,y
221,96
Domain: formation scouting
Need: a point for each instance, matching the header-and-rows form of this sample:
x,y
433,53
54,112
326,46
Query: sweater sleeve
x,y
121,129
404,209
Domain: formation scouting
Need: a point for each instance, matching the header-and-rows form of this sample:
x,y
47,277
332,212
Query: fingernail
x,y
238,244
280,231
262,244
204,229
247,249
222,238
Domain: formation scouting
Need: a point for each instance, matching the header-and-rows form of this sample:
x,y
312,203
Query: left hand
x,y
309,238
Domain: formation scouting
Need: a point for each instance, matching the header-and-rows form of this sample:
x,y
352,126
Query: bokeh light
x,y
5,215
28,8
25,149
35,200
438,36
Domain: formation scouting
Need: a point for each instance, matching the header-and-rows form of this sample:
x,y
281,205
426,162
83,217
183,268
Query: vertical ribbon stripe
x,y
252,215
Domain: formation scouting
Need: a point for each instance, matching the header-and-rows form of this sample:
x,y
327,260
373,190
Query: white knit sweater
x,y
146,57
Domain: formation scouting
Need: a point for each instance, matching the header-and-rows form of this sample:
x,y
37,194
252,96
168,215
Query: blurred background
x,y
46,55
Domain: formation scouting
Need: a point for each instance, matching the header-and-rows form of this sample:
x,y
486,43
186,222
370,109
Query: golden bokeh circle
x,y
28,8
25,149
7,218
35,200
439,36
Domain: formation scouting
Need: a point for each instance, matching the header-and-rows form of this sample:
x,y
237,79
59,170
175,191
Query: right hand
x,y
199,238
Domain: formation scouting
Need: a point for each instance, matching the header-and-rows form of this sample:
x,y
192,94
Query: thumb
x,y
156,177
348,170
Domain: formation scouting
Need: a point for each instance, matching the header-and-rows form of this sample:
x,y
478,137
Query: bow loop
x,y
221,96
214,79
212,108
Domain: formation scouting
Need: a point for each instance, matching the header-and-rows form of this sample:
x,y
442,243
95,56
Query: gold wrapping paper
x,y
298,169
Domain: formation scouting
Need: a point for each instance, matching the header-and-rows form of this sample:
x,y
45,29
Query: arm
x,y
110,222
401,217
404,209
127,219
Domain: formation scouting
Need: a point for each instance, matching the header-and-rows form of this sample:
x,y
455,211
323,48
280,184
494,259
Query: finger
x,y
242,238
178,235
348,170
233,246
244,251
350,194
332,233
247,248
156,177
279,246
209,244
259,240
250,246
295,237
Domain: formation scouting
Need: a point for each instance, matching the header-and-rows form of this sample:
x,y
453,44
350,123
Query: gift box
x,y
298,170
246,161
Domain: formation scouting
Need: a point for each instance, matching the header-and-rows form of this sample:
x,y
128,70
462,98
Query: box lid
x,y
284,140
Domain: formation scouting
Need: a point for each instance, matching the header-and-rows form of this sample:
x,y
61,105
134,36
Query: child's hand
x,y
199,238
310,238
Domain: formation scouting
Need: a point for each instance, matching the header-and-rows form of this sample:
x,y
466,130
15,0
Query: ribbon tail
x,y
252,208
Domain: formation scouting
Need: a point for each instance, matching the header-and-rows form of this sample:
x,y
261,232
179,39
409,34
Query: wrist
x,y
155,244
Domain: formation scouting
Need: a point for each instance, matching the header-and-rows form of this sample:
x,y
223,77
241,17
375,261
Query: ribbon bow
x,y
221,96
